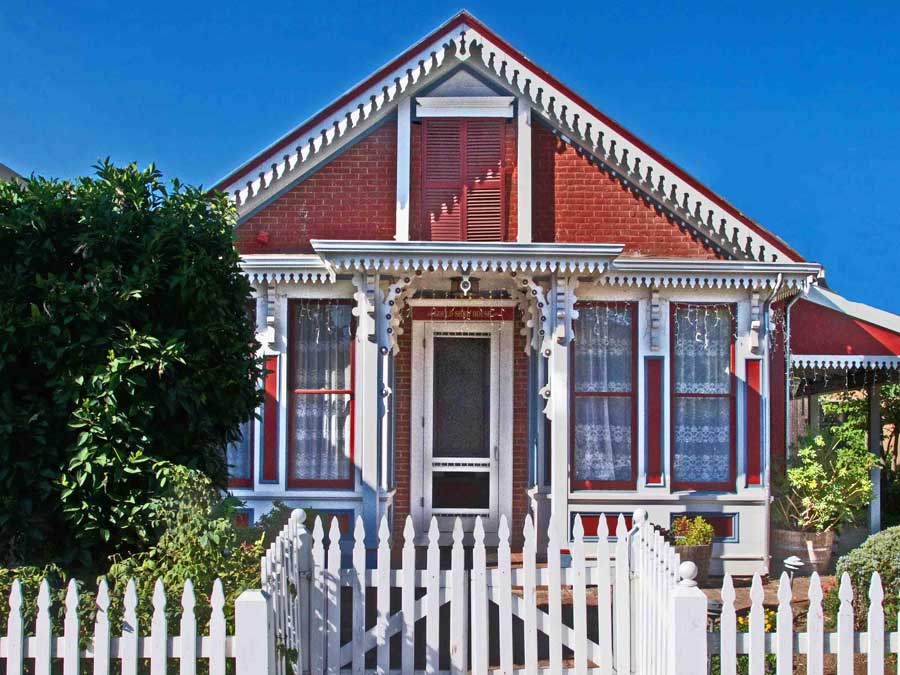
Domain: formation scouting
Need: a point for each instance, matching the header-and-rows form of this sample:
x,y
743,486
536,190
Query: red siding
x,y
351,197
654,420
777,404
270,422
754,421
819,330
574,201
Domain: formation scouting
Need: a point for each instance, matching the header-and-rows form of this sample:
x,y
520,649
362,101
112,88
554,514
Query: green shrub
x,y
197,540
125,345
826,483
692,531
879,553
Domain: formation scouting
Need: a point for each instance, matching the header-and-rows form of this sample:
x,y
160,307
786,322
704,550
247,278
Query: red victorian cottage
x,y
478,295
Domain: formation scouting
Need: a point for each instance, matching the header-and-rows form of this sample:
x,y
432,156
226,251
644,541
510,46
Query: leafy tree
x,y
852,409
124,348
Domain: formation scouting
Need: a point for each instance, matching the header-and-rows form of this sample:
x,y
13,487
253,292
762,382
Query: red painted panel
x,y
754,418
654,421
270,421
242,519
819,330
458,313
722,524
590,523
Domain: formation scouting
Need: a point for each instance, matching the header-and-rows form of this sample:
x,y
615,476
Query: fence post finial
x,y
687,573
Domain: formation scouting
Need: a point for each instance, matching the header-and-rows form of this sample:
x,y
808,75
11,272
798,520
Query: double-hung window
x,y
320,370
604,367
703,397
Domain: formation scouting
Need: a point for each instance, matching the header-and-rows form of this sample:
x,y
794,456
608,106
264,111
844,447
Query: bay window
x,y
320,415
604,367
703,397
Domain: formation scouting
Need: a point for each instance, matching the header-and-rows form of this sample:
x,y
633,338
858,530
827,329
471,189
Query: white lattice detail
x,y
394,303
537,315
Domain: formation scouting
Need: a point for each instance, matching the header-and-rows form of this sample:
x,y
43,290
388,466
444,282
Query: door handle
x,y
496,452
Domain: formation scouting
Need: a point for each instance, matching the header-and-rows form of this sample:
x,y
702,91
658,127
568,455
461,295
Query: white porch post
x,y
523,166
366,400
403,131
563,301
874,392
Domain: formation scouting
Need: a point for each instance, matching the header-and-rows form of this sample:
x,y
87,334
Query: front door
x,y
466,408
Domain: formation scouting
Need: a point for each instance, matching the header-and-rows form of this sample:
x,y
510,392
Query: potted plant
x,y
693,538
825,484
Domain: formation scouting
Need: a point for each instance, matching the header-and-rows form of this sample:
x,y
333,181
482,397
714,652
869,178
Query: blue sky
x,y
791,111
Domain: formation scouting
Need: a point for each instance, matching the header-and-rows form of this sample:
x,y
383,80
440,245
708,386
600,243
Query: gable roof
x,y
464,39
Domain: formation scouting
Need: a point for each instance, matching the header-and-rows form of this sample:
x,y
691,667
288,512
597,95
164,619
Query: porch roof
x,y
603,261
831,333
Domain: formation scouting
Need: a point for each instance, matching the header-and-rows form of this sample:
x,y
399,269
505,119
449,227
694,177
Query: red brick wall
x,y
520,434
402,420
351,197
402,397
574,201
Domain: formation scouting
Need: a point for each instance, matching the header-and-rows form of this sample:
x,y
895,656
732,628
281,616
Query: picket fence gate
x,y
251,648
469,616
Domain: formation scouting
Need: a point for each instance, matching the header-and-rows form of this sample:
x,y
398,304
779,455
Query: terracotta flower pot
x,y
813,548
699,555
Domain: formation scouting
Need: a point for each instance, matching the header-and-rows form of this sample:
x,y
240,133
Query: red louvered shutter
x,y
463,179
484,184
443,179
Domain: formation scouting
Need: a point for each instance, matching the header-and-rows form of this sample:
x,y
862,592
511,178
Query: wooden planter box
x,y
813,548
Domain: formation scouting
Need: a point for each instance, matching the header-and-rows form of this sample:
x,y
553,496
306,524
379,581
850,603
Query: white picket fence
x,y
467,615
122,649
785,644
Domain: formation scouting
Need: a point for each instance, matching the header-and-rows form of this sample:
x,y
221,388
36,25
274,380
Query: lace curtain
x,y
320,363
702,361
603,391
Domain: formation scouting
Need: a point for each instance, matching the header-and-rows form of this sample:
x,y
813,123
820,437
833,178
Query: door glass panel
x,y
462,396
461,490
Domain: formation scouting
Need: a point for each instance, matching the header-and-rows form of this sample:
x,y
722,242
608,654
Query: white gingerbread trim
x,y
388,256
843,361
682,273
285,268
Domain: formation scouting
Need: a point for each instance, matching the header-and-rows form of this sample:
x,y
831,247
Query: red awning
x,y
831,333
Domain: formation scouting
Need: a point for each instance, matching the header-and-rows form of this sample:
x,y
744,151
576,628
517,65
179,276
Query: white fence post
x,y
687,623
254,634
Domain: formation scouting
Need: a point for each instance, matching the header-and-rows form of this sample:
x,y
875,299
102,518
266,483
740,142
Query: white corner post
x,y
404,122
687,625
874,392
562,303
366,396
523,166
254,634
